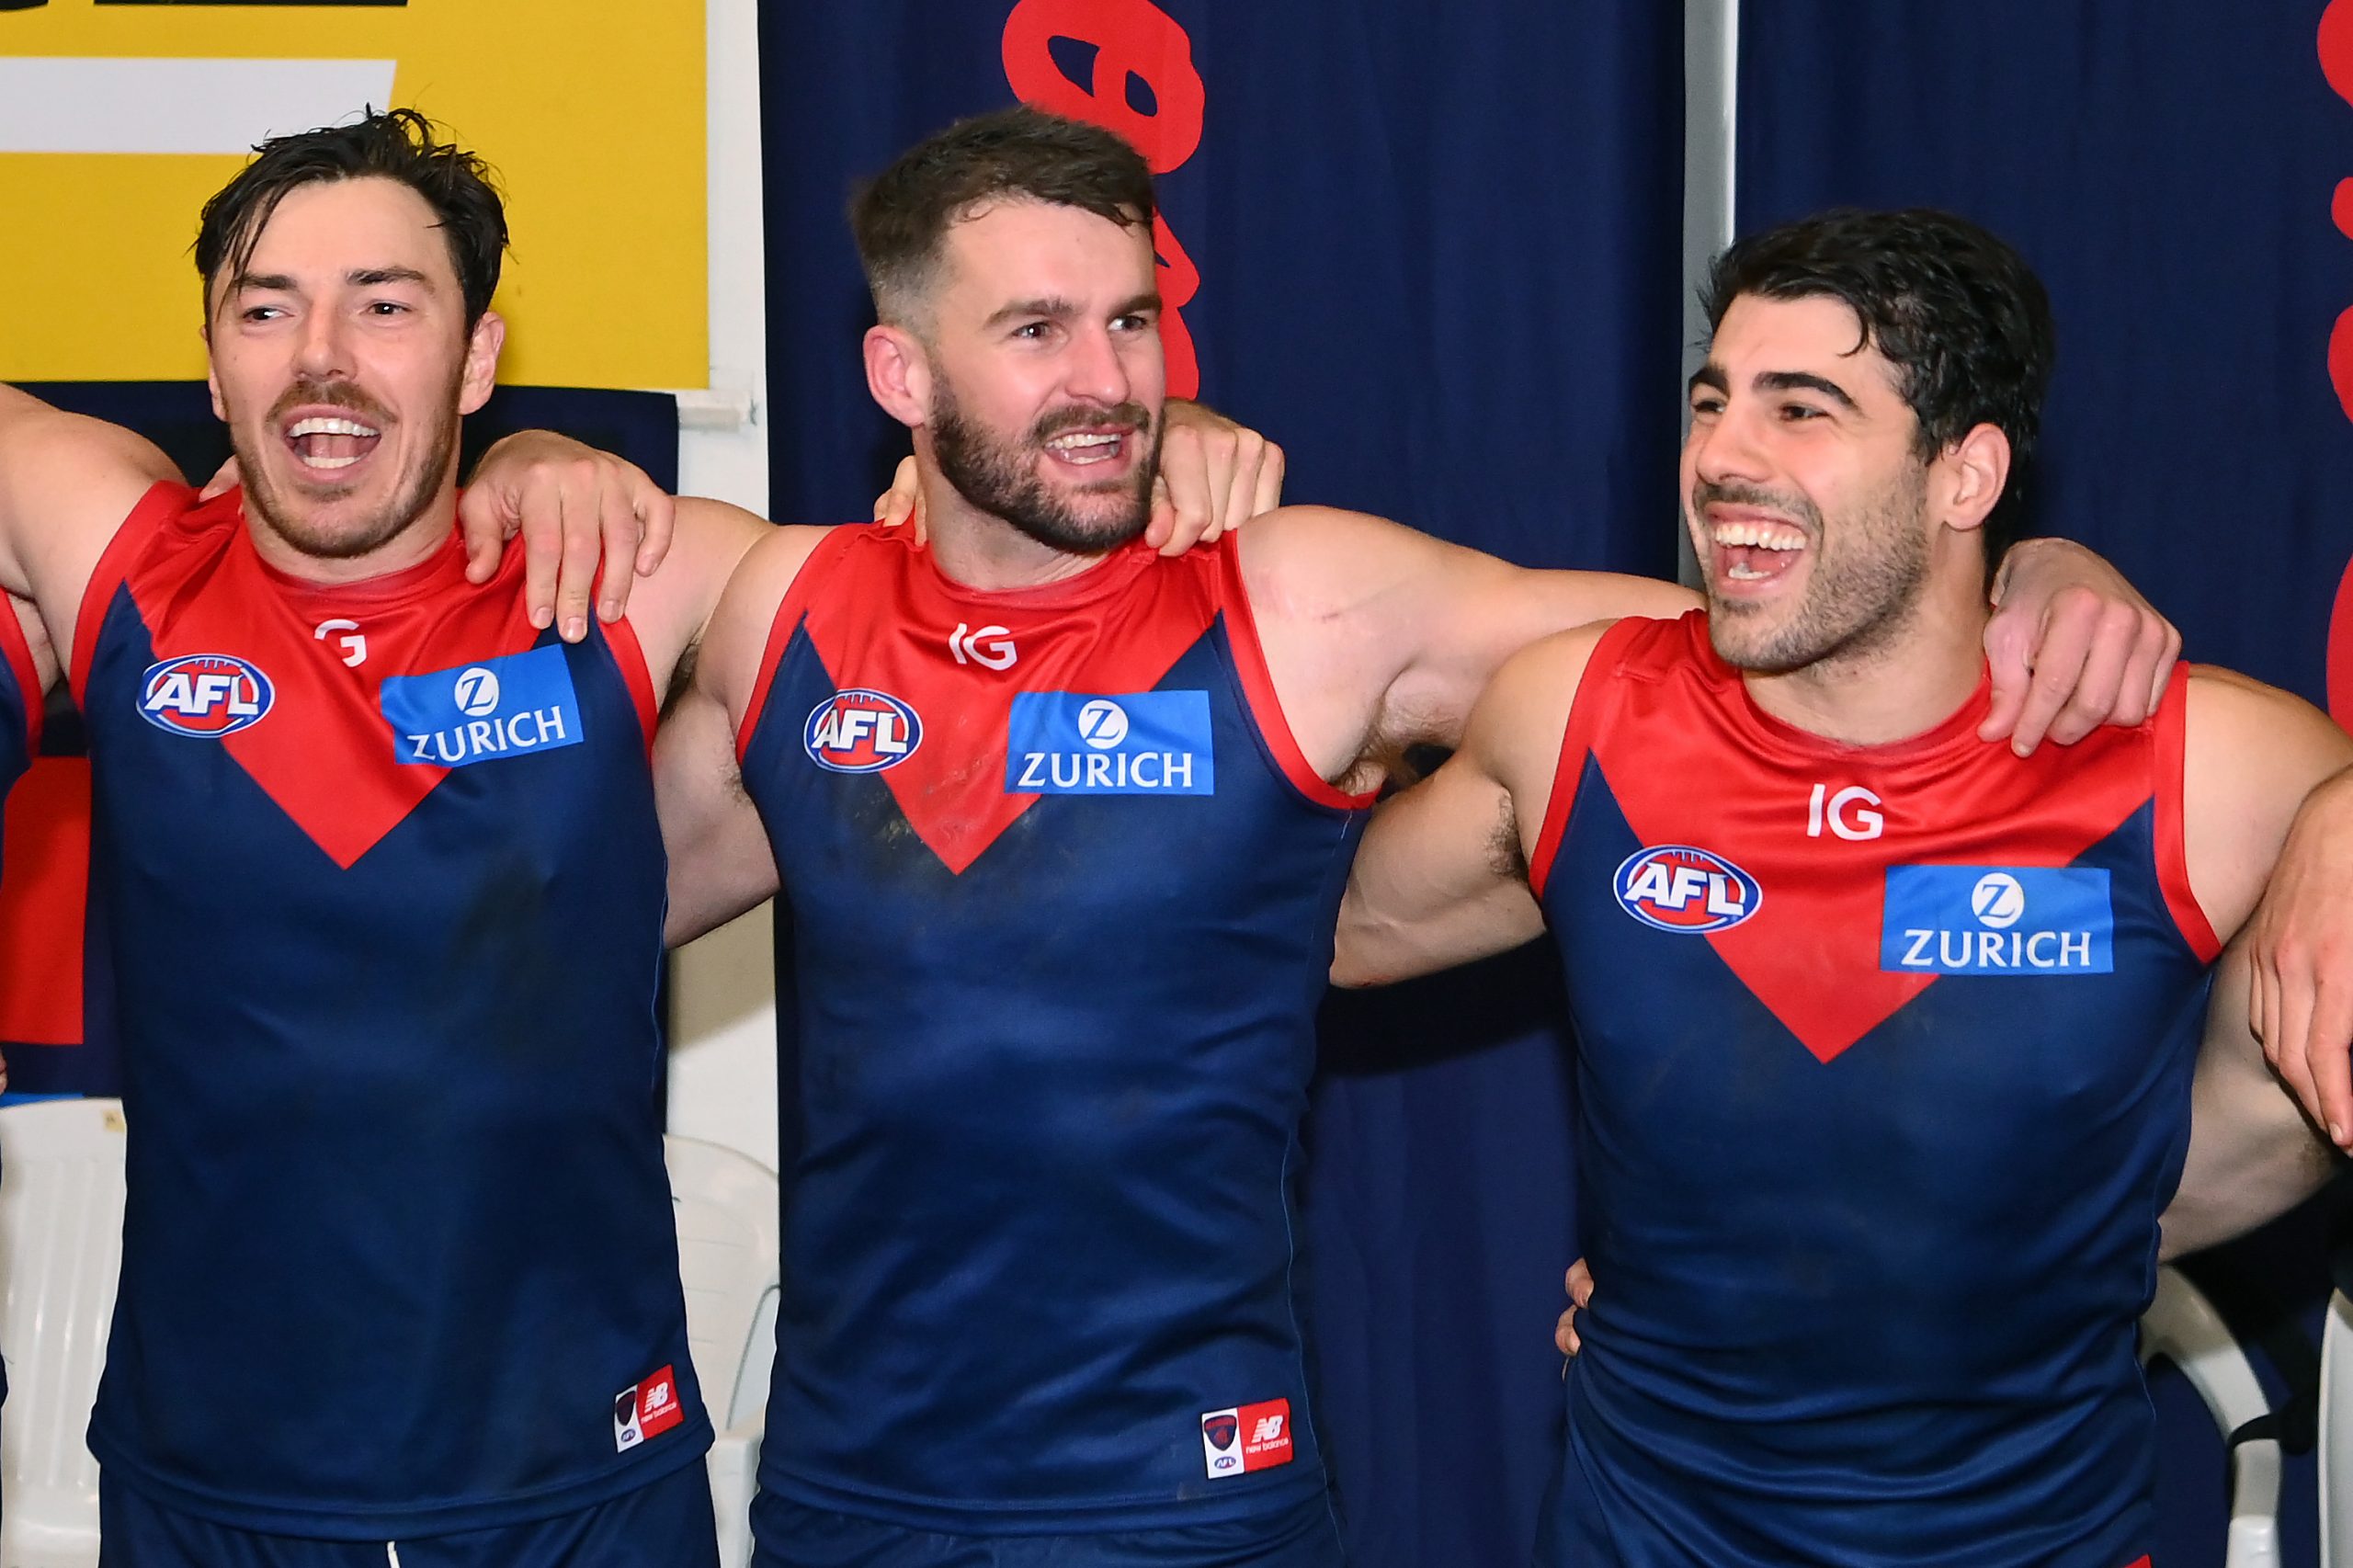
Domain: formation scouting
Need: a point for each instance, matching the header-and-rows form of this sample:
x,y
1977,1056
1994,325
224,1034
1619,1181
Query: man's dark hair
x,y
902,216
396,145
1957,312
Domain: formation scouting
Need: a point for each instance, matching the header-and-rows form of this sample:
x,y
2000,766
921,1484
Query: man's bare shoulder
x,y
2251,753
1517,725
756,589
1304,549
2256,732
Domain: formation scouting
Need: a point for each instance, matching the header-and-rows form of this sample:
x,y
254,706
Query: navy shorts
x,y
793,1535
667,1524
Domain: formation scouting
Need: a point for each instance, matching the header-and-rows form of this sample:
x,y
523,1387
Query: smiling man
x,y
383,883
1886,1037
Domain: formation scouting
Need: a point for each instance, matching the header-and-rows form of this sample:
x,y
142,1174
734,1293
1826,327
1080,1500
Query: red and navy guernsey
x,y
1061,890
20,702
1885,1081
385,890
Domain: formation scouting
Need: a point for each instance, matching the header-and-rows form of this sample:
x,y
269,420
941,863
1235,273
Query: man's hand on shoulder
x,y
2071,646
2300,945
576,508
1215,476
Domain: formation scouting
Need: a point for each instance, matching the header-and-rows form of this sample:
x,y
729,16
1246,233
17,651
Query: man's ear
x,y
483,346
1969,476
898,372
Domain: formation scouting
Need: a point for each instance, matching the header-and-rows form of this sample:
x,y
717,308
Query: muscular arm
x,y
66,483
2253,1154
1442,876
720,862
2252,754
1381,637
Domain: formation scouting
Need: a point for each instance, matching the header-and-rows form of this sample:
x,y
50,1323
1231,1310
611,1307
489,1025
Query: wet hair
x,y
396,144
1958,313
902,216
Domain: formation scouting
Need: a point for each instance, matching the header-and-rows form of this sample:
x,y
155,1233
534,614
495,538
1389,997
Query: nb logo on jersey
x,y
860,731
1674,887
646,1410
988,646
205,695
1850,813
1143,743
1988,920
1247,1437
479,713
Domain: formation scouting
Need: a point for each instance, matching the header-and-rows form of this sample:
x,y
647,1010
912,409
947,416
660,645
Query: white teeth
x,y
1758,535
330,462
331,427
1066,442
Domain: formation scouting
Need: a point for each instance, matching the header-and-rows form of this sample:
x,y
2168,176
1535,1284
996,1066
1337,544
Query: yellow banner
x,y
116,121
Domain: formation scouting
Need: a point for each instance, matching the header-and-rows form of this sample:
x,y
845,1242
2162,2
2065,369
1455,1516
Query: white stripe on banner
x,y
67,105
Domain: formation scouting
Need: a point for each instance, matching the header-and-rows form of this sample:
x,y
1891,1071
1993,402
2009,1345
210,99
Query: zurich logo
x,y
1676,887
1997,901
477,692
860,731
204,694
1102,723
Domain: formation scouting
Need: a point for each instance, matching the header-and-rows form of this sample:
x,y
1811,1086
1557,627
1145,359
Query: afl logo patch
x,y
861,731
1676,887
204,694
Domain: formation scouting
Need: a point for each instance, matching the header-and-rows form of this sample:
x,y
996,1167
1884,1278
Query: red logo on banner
x,y
1134,41
2337,64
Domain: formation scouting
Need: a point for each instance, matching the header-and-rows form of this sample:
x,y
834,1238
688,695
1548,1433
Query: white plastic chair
x,y
729,1241
61,1237
2336,1434
2182,1326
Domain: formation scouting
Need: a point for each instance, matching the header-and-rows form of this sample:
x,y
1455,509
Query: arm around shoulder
x,y
66,483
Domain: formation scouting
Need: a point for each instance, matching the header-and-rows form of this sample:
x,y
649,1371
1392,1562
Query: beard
x,y
998,475
1867,580
413,488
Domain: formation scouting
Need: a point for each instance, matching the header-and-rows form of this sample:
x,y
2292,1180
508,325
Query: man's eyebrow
x,y
1147,300
1802,380
369,277
269,282
1051,308
1711,376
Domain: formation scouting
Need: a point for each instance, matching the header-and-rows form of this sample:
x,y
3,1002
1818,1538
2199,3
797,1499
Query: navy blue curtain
x,y
1437,259
2169,168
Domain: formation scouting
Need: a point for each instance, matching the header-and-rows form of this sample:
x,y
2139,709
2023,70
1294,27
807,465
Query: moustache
x,y
1132,414
329,394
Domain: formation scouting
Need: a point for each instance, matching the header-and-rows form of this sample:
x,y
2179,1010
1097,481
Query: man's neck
x,y
983,550
1902,685
415,543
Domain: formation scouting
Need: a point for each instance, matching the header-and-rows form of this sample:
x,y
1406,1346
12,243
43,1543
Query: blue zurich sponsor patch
x,y
1998,920
483,711
1143,743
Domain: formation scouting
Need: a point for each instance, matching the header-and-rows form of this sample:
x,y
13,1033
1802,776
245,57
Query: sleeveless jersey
x,y
1061,891
385,890
1884,1080
20,702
